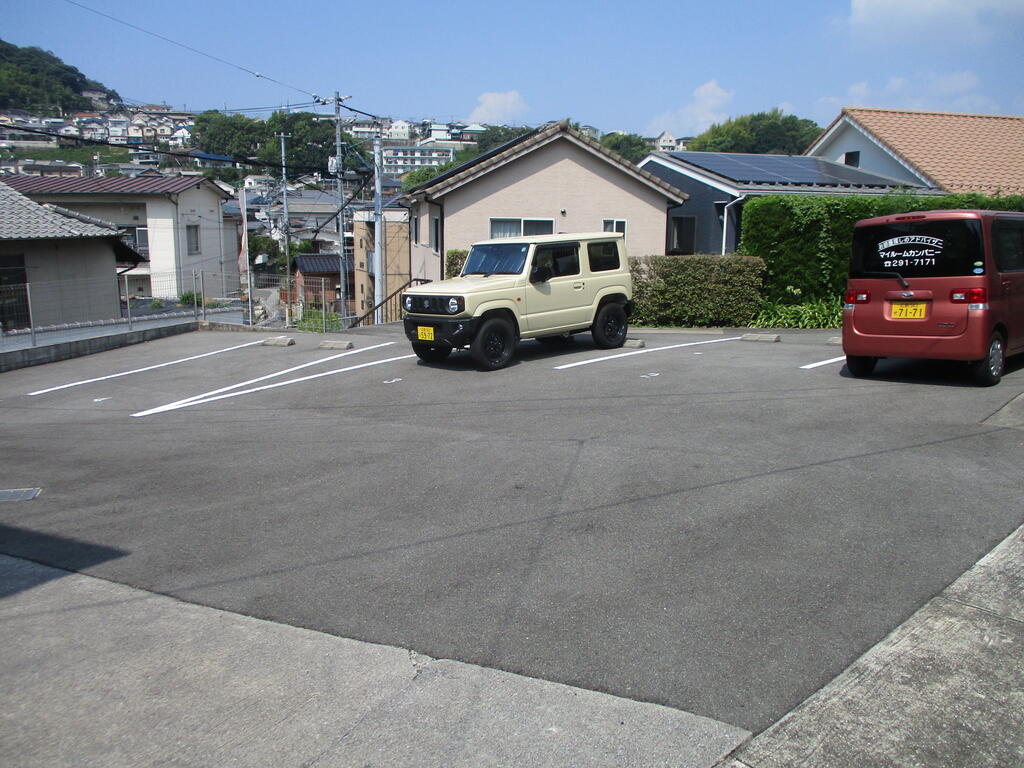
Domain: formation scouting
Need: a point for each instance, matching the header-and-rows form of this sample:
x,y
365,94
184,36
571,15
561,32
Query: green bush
x,y
190,299
453,261
817,313
313,320
705,290
156,304
805,241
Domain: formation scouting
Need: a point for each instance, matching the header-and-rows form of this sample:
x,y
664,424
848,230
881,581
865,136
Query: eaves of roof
x,y
139,185
522,145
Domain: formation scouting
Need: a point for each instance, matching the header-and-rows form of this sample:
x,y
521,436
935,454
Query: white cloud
x,y
707,107
956,82
974,21
498,108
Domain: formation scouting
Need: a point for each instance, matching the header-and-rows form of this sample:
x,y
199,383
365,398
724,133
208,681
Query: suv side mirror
x,y
540,274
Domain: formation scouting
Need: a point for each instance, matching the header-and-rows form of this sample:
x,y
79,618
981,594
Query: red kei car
x,y
945,285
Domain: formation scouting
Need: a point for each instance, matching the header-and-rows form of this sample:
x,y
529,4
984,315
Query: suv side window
x,y
1008,244
603,256
562,259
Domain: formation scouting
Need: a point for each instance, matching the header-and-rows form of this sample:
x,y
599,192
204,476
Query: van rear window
x,y
928,248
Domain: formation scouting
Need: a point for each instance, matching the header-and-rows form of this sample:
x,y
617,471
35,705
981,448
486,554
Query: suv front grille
x,y
429,305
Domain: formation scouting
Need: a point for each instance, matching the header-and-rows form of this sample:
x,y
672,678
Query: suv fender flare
x,y
612,295
500,309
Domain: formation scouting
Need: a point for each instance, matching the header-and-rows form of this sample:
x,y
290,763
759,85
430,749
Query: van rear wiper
x,y
897,275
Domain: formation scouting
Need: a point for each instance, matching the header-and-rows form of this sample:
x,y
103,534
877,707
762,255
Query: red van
x,y
945,285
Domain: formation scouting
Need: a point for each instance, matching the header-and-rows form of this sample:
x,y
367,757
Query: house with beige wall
x,y
175,221
554,179
395,255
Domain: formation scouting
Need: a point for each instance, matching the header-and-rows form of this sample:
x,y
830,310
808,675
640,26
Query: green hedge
x,y
453,261
805,241
705,290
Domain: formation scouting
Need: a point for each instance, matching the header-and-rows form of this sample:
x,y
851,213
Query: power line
x,y
190,48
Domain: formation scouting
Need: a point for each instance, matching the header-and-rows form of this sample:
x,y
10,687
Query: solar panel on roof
x,y
780,169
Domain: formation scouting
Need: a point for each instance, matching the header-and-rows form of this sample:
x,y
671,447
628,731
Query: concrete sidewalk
x,y
100,674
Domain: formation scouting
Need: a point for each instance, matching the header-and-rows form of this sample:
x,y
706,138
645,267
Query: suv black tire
x,y
860,366
610,327
989,370
494,344
431,354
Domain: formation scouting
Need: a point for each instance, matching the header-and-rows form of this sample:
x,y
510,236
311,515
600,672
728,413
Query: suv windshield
x,y
496,258
928,248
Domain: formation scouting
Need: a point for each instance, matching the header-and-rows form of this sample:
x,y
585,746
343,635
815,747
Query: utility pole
x,y
339,176
378,257
287,240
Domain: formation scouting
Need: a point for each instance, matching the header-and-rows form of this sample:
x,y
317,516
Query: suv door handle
x,y
578,285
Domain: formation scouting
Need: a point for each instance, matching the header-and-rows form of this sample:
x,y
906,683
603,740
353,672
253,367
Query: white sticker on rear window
x,y
910,251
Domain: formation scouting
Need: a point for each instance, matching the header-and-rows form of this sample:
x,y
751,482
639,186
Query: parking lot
x,y
708,523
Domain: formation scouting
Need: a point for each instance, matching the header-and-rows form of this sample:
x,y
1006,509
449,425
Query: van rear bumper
x,y
970,345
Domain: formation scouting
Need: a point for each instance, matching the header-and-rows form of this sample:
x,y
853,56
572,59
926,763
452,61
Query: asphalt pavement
x,y
222,582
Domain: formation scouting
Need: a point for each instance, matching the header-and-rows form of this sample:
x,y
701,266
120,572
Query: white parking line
x,y
274,375
204,399
823,362
643,352
143,370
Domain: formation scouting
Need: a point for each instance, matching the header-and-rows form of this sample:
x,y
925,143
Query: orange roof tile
x,y
959,152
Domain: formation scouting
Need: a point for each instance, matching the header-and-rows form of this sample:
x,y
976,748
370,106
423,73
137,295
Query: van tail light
x,y
854,296
975,298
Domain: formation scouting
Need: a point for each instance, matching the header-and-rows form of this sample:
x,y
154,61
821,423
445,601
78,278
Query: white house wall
x,y
872,157
555,178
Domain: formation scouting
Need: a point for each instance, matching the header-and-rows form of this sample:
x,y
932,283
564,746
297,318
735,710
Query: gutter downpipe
x,y
725,219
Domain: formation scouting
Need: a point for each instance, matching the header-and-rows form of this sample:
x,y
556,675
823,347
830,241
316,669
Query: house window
x,y
192,239
614,225
517,227
682,235
139,240
435,234
416,228
852,159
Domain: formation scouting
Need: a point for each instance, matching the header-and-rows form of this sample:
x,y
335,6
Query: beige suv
x,y
545,288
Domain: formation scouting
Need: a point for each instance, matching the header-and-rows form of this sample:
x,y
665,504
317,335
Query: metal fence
x,y
48,312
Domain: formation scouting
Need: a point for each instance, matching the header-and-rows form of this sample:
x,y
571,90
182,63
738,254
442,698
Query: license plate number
x,y
425,332
908,310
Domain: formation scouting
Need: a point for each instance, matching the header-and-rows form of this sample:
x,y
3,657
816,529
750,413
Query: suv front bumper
x,y
446,332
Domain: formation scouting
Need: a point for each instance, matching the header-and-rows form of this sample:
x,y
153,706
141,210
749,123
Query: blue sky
x,y
671,66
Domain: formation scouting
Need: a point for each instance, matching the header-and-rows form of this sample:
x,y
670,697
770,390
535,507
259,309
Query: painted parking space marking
x,y
143,370
286,371
642,352
200,399
819,364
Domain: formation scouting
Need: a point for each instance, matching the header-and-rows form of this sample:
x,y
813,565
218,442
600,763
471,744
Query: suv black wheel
x,y
860,366
989,370
609,329
494,344
431,354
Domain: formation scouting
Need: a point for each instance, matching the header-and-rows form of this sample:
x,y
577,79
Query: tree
x,y
232,135
632,147
770,132
310,143
37,81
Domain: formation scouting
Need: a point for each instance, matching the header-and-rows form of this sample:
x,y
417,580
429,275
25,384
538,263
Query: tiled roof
x,y
320,263
959,152
23,219
140,185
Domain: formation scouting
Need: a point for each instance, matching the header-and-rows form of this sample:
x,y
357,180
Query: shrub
x,y
190,299
805,241
817,313
313,320
156,304
698,291
453,261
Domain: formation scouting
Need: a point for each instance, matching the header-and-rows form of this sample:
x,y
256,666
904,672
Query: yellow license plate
x,y
425,332
908,310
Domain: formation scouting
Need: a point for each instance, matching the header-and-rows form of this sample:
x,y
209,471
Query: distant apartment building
x,y
401,159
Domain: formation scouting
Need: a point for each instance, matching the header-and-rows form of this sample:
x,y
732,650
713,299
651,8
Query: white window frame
x,y
197,250
612,225
520,222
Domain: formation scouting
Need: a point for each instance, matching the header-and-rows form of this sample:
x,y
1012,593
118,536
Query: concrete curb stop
x,y
279,341
770,338
336,345
635,344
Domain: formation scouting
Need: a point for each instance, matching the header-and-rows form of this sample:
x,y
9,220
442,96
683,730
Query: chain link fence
x,y
48,312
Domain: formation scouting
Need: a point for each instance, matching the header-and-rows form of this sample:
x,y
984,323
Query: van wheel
x,y
610,327
494,345
860,366
431,354
989,370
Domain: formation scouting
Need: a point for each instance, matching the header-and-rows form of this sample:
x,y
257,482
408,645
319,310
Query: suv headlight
x,y
455,305
407,303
